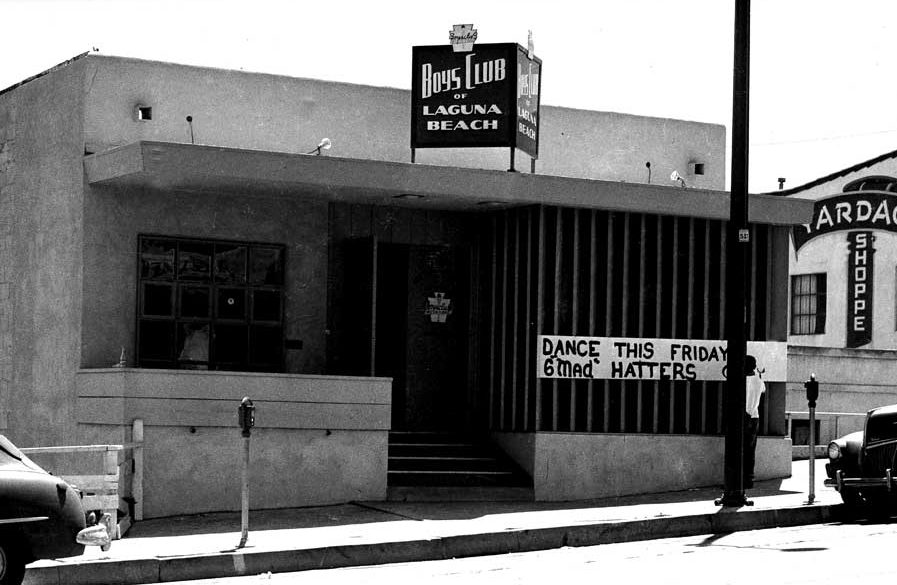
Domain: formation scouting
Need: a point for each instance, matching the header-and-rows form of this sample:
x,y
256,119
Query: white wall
x,y
268,112
578,466
829,254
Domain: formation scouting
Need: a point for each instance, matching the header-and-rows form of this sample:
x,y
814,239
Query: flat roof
x,y
211,169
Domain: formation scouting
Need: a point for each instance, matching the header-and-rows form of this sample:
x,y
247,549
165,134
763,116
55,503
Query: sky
x,y
823,73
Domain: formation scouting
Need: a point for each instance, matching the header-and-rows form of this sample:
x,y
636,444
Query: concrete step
x,y
443,463
435,450
434,459
459,494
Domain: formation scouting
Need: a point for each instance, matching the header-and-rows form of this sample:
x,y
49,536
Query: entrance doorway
x,y
422,303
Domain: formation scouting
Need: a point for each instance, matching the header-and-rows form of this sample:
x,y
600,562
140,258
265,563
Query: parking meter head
x,y
812,388
246,414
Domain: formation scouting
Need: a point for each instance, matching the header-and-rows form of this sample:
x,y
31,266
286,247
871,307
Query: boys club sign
x,y
484,95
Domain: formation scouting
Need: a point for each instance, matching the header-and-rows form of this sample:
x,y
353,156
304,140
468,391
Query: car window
x,y
881,427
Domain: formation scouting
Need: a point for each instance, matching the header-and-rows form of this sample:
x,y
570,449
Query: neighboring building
x,y
169,214
843,291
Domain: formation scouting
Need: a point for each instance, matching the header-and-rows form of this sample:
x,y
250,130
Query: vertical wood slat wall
x,y
602,273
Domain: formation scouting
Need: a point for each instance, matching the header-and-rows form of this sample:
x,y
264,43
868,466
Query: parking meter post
x,y
812,462
246,416
812,388
244,504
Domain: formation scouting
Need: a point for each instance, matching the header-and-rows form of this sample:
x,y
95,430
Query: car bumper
x,y
840,482
98,534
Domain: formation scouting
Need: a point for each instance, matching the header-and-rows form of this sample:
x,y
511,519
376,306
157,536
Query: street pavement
x,y
366,533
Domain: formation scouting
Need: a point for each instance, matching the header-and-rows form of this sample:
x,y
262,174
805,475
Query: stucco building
x,y
843,290
172,216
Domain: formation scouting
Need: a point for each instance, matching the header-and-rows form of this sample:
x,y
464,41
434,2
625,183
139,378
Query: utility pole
x,y
737,258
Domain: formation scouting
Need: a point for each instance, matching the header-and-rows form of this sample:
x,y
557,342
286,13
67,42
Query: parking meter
x,y
246,414
812,387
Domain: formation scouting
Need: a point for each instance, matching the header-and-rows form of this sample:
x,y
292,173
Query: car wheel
x,y
852,498
12,564
875,506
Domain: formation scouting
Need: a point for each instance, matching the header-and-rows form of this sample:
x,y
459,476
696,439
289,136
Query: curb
x,y
161,570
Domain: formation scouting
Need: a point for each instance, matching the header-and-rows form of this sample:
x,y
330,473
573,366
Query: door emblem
x,y
438,307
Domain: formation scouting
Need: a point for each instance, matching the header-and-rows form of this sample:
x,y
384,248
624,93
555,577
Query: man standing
x,y
754,389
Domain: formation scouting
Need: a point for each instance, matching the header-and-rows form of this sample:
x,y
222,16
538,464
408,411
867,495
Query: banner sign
x,y
638,358
486,97
860,272
529,79
848,212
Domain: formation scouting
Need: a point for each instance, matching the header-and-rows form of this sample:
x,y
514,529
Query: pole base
x,y
733,500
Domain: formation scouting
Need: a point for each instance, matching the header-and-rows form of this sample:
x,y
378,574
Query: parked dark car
x,y
40,516
863,465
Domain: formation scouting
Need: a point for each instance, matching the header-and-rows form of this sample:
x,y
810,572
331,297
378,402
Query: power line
x,y
824,138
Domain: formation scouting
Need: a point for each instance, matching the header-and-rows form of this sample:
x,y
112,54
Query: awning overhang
x,y
211,169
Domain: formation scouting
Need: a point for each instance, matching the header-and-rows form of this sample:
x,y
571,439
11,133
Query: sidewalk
x,y
365,533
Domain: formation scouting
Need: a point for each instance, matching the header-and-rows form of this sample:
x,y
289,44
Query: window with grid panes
x,y
209,304
808,304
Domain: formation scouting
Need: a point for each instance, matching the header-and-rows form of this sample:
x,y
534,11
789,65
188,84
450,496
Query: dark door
x,y
350,339
421,334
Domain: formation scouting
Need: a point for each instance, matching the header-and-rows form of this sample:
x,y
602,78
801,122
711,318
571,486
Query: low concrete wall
x,y
318,439
572,466
831,425
850,380
799,452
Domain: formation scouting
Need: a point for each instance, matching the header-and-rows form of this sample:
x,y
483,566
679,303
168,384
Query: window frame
x,y
816,297
270,283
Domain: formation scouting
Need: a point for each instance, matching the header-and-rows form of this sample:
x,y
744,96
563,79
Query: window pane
x,y
193,343
265,266
230,264
157,300
230,344
266,346
195,301
231,303
195,304
819,323
808,304
156,340
194,261
266,305
157,259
